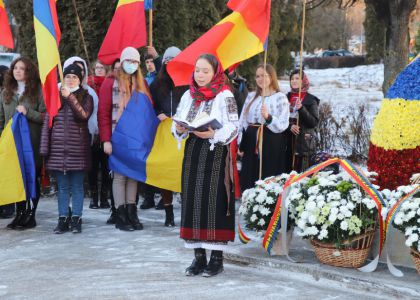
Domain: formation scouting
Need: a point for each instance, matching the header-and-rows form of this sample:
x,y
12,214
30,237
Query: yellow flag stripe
x,y
1,4
240,44
12,188
47,51
124,2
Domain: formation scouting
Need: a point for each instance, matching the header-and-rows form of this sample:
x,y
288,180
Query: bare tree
x,y
395,15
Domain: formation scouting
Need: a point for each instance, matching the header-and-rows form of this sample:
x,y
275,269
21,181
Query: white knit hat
x,y
170,53
130,53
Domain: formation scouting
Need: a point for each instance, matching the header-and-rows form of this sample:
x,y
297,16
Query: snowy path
x,y
105,263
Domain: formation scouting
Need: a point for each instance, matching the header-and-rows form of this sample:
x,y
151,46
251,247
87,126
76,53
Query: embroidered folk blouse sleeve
x,y
278,108
225,111
243,120
181,113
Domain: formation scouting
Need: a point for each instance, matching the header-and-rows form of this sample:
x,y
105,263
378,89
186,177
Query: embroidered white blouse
x,y
222,107
278,108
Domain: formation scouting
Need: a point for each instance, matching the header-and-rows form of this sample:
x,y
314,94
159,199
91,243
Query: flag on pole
x,y
148,4
6,38
127,28
17,173
239,36
47,36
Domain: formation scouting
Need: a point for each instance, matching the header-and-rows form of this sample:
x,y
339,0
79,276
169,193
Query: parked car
x,y
6,58
340,52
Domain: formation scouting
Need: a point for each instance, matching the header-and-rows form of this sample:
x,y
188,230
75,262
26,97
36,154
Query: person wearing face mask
x,y
22,93
208,207
111,107
166,98
301,136
269,107
66,148
94,140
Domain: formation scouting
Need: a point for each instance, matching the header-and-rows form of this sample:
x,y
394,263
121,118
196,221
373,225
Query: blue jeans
x,y
70,183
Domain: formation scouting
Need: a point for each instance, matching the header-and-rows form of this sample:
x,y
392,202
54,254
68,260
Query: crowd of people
x,y
79,141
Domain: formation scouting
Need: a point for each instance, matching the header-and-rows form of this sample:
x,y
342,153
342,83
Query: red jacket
x,y
105,109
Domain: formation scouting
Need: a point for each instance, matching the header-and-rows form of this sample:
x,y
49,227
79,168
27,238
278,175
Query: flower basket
x,y
416,259
352,254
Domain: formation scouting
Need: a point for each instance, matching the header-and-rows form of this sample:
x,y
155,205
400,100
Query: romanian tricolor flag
x,y
394,151
17,172
236,38
6,38
47,35
127,28
144,149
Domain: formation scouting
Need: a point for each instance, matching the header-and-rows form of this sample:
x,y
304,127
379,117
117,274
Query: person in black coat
x,y
304,118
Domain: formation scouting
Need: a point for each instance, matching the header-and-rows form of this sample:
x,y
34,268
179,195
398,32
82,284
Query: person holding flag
x,y
22,93
208,207
268,107
66,148
304,118
130,85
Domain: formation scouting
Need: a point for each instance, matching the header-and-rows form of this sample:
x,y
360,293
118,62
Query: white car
x,y
6,58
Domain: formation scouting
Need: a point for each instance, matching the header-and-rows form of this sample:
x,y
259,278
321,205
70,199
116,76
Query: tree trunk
x,y
396,52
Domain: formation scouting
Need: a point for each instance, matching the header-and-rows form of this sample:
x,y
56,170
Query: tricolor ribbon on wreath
x,y
281,211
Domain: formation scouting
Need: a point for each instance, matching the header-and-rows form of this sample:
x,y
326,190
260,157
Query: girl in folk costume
x,y
167,97
124,189
22,93
304,117
269,107
208,209
66,147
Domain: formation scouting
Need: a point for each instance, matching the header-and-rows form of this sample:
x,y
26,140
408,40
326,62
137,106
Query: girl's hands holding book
x,y
204,134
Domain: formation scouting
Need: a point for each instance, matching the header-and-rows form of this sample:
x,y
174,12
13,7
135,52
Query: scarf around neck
x,y
209,91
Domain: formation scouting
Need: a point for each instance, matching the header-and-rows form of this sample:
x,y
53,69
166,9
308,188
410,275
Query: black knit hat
x,y
74,69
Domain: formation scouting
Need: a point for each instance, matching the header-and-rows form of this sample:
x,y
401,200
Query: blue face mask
x,y
130,68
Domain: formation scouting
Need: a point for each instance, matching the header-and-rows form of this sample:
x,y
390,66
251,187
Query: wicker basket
x,y
416,258
352,255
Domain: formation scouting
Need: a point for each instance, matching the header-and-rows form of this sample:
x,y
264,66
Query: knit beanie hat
x,y
130,53
74,69
170,53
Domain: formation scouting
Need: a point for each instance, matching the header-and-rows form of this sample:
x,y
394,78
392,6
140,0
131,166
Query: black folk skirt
x,y
273,156
207,215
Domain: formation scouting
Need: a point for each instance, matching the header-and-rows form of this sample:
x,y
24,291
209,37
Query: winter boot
x,y
94,201
160,205
121,221
7,211
198,264
215,265
104,199
113,217
149,198
28,220
76,224
169,219
63,225
133,218
20,212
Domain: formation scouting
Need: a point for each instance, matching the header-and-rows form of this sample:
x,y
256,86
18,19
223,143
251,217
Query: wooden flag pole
x,y
260,146
302,38
60,69
79,24
151,27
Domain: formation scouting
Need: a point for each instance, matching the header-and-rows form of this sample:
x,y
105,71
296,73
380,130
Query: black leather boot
x,y
63,225
149,198
113,217
20,212
198,264
94,201
104,199
169,218
133,217
215,265
76,224
121,221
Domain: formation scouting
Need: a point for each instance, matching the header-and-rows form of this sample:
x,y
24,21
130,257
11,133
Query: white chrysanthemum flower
x,y
313,190
310,205
320,204
340,216
301,224
261,222
332,218
255,208
253,218
269,200
264,211
312,219
344,225
323,234
311,231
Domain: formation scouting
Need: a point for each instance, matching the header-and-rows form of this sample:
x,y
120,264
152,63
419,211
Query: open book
x,y
201,123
